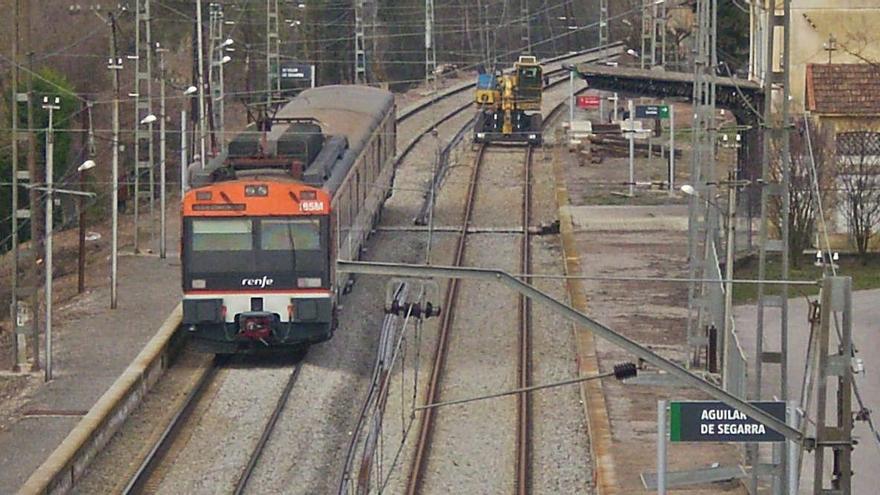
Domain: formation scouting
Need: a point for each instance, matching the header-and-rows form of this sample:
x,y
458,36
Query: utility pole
x,y
834,364
525,26
114,64
647,16
162,117
201,84
34,176
702,218
776,137
360,55
430,51
51,106
143,107
603,41
215,71
81,262
273,55
183,160
17,310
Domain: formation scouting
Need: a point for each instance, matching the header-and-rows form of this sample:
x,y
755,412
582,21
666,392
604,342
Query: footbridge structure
x,y
743,98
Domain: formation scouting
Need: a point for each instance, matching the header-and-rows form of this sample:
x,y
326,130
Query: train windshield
x,y
291,234
222,234
221,252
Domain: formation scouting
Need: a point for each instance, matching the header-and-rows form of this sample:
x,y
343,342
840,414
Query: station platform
x,y
93,347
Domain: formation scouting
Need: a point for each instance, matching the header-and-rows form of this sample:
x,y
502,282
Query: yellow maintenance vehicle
x,y
510,104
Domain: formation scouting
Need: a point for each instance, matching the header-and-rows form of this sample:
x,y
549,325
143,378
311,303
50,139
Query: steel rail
x,y
417,467
598,329
267,432
157,452
523,416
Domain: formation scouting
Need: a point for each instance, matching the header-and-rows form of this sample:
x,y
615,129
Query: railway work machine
x,y
509,105
264,223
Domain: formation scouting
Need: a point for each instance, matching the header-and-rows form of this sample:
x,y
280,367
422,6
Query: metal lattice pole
x,y
775,140
143,107
702,217
273,54
430,50
834,364
217,48
526,36
360,55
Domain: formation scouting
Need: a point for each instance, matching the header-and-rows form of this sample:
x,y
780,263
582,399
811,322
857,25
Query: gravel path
x,y
228,423
131,443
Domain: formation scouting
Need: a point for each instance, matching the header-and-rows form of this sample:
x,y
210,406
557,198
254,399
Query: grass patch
x,y
865,276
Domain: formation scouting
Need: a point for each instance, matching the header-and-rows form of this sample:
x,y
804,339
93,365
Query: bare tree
x,y
808,186
858,175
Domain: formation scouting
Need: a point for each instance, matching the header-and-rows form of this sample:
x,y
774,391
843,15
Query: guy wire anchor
x,y
399,306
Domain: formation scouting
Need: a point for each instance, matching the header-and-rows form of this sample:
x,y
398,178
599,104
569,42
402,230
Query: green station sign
x,y
713,421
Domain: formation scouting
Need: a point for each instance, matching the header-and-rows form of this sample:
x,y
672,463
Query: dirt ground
x,y
15,387
640,236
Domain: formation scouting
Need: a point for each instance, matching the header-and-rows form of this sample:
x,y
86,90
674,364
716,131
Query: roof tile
x,y
849,89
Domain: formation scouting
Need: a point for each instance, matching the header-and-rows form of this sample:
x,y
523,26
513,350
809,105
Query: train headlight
x,y
256,190
308,283
481,135
198,283
533,136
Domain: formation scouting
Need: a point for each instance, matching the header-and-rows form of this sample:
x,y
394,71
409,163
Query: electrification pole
x,y
603,41
360,55
17,310
273,55
162,186
143,107
34,176
51,106
201,83
776,137
525,26
114,64
430,52
701,216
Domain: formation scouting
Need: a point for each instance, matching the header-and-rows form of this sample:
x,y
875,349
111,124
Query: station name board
x,y
712,421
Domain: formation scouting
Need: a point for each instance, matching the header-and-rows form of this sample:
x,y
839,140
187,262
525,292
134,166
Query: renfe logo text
x,y
257,282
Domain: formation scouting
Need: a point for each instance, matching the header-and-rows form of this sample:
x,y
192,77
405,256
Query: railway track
x,y
523,413
523,368
146,479
523,361
557,75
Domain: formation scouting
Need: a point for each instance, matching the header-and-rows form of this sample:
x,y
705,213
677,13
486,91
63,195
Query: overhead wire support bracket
x,y
598,329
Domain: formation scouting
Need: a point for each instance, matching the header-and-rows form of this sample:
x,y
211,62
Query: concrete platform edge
x,y
592,393
70,459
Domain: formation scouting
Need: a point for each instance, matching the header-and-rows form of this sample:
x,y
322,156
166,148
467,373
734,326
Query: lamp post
x,y
55,104
114,64
183,158
81,269
730,212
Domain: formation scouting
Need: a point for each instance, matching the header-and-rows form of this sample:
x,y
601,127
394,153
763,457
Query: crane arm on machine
x,y
509,105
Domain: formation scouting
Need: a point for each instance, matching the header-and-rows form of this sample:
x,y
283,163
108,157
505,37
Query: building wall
x,y
854,23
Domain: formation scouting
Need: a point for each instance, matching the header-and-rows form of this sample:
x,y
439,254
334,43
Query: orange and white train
x,y
264,223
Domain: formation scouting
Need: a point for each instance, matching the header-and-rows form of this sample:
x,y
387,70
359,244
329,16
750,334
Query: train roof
x,y
352,111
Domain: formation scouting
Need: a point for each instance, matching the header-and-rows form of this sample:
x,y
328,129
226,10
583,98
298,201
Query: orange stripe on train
x,y
282,198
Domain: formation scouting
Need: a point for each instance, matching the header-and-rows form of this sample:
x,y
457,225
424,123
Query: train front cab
x,y
257,282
